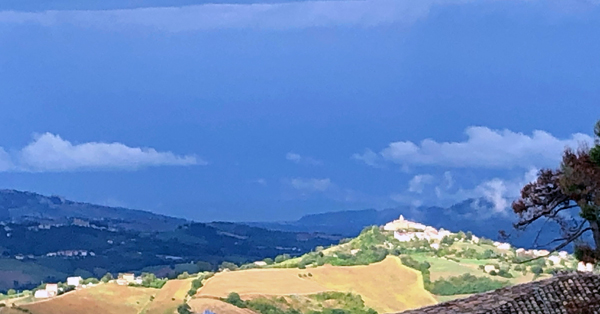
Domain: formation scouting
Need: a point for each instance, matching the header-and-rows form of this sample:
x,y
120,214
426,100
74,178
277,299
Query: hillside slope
x,y
387,286
105,299
19,206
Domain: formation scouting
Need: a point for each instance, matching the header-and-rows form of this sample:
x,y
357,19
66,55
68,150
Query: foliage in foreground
x,y
572,188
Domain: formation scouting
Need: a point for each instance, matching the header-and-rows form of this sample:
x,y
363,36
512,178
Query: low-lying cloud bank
x,y
50,153
484,148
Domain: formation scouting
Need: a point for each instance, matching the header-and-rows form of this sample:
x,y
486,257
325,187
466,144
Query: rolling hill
x,y
386,286
105,298
19,206
46,238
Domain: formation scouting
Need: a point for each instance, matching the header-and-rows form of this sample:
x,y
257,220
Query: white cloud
x,y
288,15
51,153
484,148
494,191
5,161
311,185
418,182
369,157
444,192
501,192
448,180
260,181
296,158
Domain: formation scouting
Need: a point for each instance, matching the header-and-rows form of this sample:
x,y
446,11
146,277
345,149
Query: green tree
x,y
537,270
464,284
228,265
468,236
91,280
106,278
574,185
268,261
282,258
234,298
204,266
184,309
11,292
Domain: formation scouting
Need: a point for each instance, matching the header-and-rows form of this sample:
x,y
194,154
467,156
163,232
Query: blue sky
x,y
271,110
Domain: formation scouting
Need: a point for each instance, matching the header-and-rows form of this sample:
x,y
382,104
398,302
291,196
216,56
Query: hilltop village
x,y
406,230
435,265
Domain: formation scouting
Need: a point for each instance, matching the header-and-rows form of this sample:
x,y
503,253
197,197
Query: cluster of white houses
x,y
406,230
71,253
52,289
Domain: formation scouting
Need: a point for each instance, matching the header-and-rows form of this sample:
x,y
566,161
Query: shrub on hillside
x,y
504,273
412,263
228,265
537,270
282,258
484,241
197,283
447,240
184,309
464,284
234,299
106,278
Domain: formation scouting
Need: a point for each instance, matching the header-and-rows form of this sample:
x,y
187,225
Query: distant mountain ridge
x,y
18,206
475,215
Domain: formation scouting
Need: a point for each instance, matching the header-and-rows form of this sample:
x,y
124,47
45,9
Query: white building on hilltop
x,y
402,223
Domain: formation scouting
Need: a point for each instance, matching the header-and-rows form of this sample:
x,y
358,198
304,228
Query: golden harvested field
x,y
105,299
216,306
387,286
8,310
163,302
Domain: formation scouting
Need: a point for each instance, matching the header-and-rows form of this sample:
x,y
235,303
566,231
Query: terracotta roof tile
x,y
565,293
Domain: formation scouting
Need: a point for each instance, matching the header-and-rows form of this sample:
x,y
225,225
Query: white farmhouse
x,y
41,294
555,259
489,268
587,267
52,289
502,246
74,281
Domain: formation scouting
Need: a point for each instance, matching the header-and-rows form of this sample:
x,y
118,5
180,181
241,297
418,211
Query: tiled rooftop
x,y
565,293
